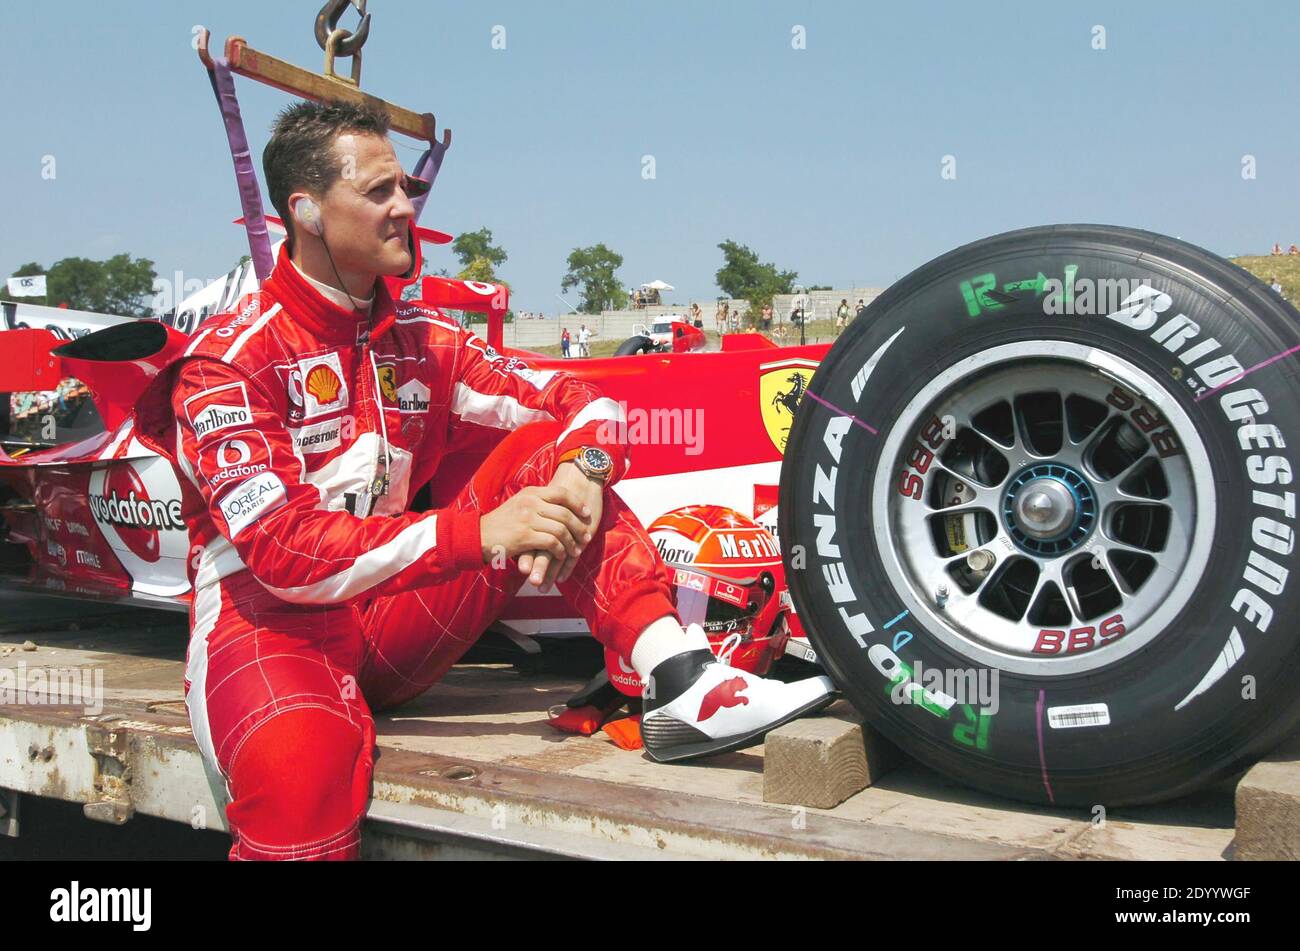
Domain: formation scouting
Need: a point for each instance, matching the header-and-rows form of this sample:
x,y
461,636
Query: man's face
x,y
366,213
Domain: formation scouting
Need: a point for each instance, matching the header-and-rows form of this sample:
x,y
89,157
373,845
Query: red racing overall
x,y
300,432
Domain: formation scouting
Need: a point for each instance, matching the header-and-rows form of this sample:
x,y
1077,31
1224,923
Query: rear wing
x,y
475,296
115,363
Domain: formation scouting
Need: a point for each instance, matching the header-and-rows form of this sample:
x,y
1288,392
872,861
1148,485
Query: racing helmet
x,y
728,576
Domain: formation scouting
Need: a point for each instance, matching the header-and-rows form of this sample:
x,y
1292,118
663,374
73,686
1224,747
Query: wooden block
x,y
821,761
1268,807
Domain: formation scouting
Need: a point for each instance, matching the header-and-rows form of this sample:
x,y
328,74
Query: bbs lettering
x,y
919,458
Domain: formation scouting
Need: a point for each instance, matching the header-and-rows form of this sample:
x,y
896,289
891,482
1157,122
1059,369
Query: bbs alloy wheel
x,y
1039,519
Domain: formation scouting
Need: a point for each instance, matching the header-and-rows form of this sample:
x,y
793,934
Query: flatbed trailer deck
x,y
472,769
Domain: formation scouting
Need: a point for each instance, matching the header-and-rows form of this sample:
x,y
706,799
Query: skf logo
x,y
781,386
388,382
324,390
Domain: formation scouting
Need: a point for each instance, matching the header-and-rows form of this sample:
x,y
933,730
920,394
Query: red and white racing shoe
x,y
696,705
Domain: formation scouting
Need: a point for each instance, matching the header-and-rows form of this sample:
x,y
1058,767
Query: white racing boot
x,y
696,705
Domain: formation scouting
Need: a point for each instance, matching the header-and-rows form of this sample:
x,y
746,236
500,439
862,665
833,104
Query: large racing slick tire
x,y
1038,513
634,346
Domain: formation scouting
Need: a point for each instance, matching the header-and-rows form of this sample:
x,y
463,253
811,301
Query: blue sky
x,y
826,160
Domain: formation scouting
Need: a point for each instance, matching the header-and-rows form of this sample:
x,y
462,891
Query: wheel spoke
x,y
1101,560
986,496
1052,573
1057,518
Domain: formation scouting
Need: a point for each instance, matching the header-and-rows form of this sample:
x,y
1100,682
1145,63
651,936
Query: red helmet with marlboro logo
x,y
729,579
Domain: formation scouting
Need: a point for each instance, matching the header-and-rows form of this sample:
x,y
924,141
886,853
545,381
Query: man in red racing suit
x,y
301,424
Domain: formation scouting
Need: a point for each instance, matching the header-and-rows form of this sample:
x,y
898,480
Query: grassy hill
x,y
1267,266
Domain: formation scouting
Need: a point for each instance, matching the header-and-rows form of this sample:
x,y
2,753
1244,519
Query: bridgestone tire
x,y
1206,678
634,346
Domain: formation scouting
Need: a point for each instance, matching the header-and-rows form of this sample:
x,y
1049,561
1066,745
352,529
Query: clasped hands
x,y
546,528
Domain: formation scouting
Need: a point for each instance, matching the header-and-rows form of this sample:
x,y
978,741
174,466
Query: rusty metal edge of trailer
x,y
125,760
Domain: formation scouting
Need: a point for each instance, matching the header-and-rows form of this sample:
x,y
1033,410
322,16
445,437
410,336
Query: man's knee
x,y
299,786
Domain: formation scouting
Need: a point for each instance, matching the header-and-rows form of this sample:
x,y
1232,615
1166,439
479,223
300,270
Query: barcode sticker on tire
x,y
1085,714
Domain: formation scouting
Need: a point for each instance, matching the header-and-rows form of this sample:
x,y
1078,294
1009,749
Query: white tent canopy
x,y
657,286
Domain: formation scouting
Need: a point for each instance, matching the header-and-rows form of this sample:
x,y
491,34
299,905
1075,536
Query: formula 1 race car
x,y
669,334
1033,508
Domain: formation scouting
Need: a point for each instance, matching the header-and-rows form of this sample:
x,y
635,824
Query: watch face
x,y
597,459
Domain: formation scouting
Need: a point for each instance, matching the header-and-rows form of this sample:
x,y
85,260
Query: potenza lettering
x,y
250,500
219,408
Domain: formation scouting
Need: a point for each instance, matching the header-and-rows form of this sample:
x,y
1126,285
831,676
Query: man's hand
x,y
537,520
541,566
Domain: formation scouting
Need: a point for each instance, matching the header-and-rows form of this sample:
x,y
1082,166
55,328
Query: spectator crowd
x,y
28,410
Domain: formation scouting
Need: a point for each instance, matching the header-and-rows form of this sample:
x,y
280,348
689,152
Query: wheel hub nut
x,y
1044,508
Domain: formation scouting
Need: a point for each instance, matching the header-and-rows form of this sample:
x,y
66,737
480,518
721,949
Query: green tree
x,y
744,277
120,285
480,269
593,268
473,245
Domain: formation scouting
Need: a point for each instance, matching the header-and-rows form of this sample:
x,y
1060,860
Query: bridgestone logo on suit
x,y
250,500
319,437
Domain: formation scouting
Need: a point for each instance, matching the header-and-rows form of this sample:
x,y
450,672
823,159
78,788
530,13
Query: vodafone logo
x,y
622,675
233,452
124,504
241,455
232,328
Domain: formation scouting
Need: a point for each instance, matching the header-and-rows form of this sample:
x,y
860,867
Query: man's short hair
x,y
300,155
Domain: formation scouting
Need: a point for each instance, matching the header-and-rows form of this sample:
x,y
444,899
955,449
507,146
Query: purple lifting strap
x,y
430,160
250,194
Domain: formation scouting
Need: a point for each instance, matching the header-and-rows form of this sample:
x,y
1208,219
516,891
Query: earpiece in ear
x,y
308,214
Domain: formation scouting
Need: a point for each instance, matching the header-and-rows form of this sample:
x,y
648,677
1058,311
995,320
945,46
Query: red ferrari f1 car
x,y
1033,510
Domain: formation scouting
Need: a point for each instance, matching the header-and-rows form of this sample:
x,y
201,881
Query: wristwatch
x,y
592,462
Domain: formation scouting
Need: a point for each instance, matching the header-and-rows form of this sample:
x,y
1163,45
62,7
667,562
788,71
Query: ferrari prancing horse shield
x,y
781,387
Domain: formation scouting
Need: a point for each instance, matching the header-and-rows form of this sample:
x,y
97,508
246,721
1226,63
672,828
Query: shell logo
x,y
323,384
